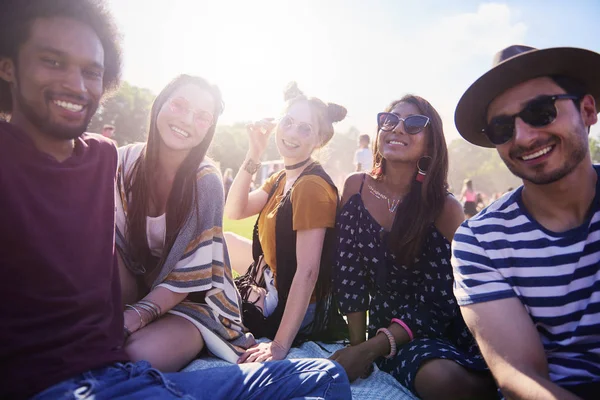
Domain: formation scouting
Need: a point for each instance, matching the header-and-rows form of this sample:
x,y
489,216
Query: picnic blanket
x,y
378,386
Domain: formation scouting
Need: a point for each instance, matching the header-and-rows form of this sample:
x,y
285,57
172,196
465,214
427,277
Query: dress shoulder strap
x,y
362,183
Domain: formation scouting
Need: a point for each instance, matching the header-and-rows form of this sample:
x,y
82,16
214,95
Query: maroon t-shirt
x,y
60,300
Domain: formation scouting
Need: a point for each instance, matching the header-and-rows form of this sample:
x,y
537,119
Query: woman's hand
x,y
259,133
132,321
262,352
355,360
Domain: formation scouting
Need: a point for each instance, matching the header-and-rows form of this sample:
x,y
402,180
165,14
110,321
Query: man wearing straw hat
x,y
526,269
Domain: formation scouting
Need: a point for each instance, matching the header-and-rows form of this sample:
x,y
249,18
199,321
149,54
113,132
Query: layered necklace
x,y
392,203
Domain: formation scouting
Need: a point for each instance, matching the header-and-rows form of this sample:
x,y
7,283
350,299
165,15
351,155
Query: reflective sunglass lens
x,y
500,129
539,113
304,129
415,124
286,122
203,119
387,121
178,106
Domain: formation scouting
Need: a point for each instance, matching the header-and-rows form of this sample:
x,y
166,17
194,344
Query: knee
x,y
338,377
321,365
135,349
446,379
336,369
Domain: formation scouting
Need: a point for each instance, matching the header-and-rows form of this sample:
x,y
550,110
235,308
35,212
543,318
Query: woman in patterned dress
x,y
393,261
173,262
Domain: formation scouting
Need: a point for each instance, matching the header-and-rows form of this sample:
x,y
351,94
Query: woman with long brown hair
x,y
175,275
393,261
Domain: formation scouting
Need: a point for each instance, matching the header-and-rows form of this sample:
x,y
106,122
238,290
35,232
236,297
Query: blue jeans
x,y
287,379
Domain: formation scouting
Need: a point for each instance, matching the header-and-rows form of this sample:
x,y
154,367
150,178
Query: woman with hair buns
x,y
286,291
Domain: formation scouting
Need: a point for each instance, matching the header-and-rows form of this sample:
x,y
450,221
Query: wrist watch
x,y
251,167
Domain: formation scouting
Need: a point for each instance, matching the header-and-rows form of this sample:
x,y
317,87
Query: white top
x,y
364,157
156,230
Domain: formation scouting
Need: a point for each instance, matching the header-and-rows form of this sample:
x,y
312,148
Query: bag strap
x,y
257,250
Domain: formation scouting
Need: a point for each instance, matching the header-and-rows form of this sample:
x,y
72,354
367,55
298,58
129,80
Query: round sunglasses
x,y
413,124
537,113
181,106
303,128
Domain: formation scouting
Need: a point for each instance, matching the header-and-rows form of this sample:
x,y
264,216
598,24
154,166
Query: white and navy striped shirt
x,y
503,252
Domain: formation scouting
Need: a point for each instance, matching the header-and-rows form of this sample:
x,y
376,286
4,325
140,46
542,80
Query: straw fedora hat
x,y
517,64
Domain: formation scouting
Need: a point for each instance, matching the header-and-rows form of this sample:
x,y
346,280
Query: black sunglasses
x,y
539,112
413,124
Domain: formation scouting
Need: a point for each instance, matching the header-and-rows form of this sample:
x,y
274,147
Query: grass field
x,y
242,227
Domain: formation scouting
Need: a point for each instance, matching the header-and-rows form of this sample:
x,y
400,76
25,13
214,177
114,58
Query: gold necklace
x,y
392,203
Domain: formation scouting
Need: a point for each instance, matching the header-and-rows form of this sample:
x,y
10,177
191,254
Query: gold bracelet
x,y
130,307
251,167
153,305
153,313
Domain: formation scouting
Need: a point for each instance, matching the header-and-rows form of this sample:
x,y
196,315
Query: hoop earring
x,y
378,170
423,166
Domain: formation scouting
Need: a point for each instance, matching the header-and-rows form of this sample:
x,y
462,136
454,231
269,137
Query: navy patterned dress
x,y
368,278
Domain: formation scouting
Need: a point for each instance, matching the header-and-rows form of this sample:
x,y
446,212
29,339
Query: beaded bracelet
x,y
392,340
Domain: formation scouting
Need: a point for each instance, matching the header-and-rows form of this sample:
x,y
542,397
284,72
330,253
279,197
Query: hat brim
x,y
470,115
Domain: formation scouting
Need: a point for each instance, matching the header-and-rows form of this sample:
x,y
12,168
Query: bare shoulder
x,y
352,185
450,218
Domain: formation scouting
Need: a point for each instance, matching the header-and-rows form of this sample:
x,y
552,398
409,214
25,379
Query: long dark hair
x,y
181,198
425,200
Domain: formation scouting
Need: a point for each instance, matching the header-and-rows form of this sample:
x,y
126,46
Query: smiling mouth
x,y
397,142
288,144
69,106
537,154
179,131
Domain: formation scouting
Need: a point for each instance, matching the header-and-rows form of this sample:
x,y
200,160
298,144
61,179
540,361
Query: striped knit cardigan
x,y
197,263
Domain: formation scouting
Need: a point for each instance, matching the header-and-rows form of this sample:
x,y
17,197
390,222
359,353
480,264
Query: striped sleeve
x,y
202,265
476,280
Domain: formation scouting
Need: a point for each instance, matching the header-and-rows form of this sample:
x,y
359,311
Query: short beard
x,y
576,150
43,122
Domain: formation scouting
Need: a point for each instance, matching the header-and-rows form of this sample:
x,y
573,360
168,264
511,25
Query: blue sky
x,y
361,54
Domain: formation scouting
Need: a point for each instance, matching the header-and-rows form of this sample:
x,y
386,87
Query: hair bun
x,y
335,112
292,91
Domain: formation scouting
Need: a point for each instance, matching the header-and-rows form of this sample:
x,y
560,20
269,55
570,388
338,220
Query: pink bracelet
x,y
391,339
406,328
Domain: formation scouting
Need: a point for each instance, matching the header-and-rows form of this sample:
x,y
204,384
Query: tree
x,y
229,146
483,166
129,111
594,149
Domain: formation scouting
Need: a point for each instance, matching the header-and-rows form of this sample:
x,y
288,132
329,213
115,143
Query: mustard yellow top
x,y
314,204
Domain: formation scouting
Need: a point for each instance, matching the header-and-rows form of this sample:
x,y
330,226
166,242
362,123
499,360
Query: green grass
x,y
242,227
